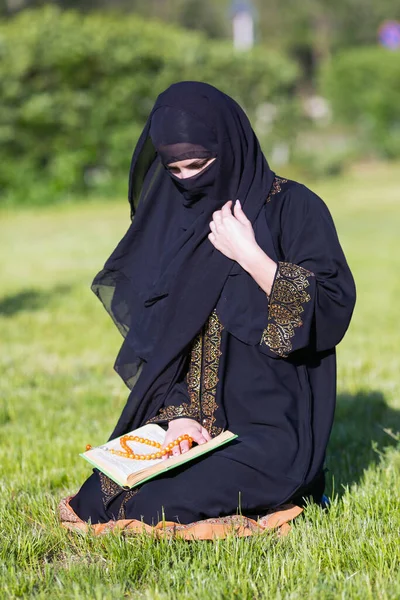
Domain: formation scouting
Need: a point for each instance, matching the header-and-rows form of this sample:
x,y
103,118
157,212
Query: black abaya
x,y
278,395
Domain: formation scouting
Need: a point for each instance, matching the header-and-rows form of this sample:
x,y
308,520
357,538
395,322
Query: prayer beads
x,y
127,452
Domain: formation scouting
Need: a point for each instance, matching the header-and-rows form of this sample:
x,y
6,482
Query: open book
x,y
128,472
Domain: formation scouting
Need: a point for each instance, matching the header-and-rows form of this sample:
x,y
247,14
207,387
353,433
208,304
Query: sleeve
x,y
313,293
183,400
177,405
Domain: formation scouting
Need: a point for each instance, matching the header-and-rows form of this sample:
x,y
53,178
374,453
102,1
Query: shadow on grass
x,y
30,299
358,431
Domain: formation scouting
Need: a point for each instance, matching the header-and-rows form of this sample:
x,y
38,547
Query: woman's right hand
x,y
179,427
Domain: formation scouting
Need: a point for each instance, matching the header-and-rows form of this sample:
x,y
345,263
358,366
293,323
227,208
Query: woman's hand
x,y
233,235
179,427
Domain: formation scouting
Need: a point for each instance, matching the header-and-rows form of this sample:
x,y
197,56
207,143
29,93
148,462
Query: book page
x,y
128,472
118,467
180,459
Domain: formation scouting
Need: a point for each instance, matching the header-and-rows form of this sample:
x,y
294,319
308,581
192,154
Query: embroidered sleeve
x,y
169,413
287,302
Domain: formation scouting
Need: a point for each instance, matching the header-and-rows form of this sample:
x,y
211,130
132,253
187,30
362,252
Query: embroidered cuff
x,y
288,295
169,413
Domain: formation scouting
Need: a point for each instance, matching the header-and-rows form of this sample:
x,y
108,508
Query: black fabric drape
x,y
290,376
202,339
278,396
162,281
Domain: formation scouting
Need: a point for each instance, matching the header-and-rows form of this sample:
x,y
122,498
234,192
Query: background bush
x,y
363,87
76,89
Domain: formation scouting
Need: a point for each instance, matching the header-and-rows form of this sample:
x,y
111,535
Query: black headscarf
x,y
165,277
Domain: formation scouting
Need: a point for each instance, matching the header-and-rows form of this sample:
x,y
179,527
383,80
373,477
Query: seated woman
x,y
232,291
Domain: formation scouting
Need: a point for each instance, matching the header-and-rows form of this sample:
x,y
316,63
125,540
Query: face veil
x,y
178,135
165,278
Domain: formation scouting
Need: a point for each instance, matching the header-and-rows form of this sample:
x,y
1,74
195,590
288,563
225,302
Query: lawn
x,y
59,392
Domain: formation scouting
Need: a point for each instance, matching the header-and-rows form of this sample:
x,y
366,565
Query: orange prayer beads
x,y
128,453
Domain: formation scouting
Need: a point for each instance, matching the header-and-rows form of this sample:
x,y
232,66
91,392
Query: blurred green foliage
x,y
310,29
363,87
76,89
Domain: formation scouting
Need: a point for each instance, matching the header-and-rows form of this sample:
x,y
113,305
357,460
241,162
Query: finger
x,y
213,239
168,454
239,214
198,437
166,441
184,446
217,226
217,218
226,210
212,226
205,434
176,451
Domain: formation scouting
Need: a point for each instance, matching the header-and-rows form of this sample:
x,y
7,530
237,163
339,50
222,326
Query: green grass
x,y
59,392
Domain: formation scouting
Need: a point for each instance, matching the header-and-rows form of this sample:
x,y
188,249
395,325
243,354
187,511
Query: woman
x,y
232,291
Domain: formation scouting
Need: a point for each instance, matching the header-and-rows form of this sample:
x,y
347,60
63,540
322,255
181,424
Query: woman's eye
x,y
197,166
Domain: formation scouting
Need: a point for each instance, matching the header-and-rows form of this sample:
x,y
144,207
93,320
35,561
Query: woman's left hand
x,y
232,233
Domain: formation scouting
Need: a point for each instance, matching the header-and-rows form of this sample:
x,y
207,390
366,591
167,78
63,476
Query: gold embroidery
x,y
276,187
194,374
173,412
286,307
129,494
202,380
109,488
212,352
